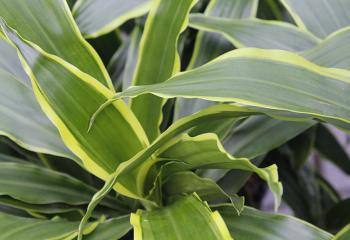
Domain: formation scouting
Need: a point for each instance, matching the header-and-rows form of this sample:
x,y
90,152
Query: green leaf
x,y
112,229
256,33
187,182
36,185
158,58
10,63
188,218
344,234
254,224
49,22
329,147
98,17
205,152
320,17
70,102
333,51
141,163
12,227
23,121
260,134
210,45
270,80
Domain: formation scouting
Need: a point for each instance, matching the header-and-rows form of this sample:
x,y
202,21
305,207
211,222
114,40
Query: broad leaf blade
x,y
188,218
272,80
98,17
70,102
47,23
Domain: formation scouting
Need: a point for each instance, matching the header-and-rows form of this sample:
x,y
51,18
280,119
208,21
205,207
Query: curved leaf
x,y
270,80
69,103
205,151
49,22
98,17
256,33
188,218
158,57
254,224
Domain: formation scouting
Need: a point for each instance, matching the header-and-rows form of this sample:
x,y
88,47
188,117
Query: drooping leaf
x,y
257,33
98,17
310,15
37,185
158,57
188,218
271,80
254,224
70,102
47,23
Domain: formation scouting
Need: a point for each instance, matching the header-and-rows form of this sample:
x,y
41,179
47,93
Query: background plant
x,y
172,161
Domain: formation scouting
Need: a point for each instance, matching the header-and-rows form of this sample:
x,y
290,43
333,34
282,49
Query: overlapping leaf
x,y
70,102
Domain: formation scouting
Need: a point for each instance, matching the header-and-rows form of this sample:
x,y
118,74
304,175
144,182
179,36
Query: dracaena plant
x,y
166,169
